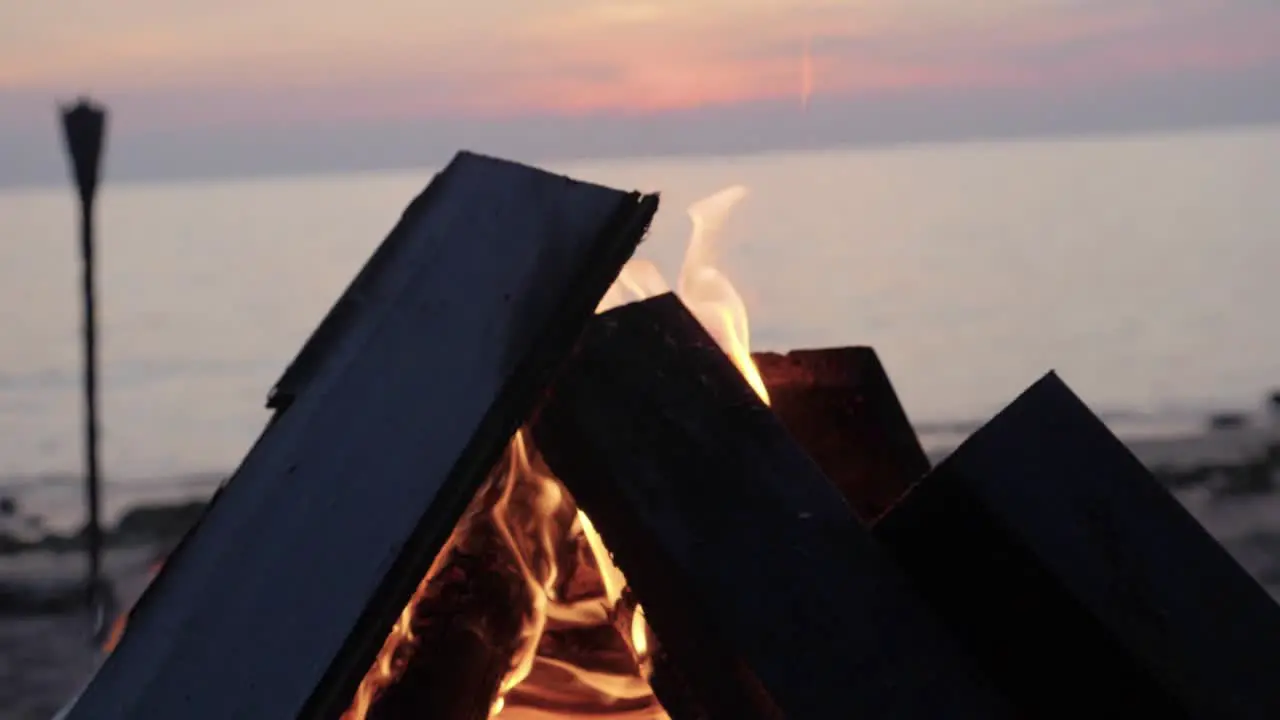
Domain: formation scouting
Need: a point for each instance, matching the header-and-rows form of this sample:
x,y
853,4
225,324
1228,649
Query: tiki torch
x,y
84,125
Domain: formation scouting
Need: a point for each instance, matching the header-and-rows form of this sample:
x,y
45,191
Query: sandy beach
x,y
46,657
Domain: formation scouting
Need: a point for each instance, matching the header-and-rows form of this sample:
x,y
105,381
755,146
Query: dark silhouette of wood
x,y
456,672
840,407
464,631
466,627
84,126
276,603
1083,585
759,583
673,688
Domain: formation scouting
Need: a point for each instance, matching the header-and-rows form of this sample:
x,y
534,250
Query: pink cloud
x,y
667,57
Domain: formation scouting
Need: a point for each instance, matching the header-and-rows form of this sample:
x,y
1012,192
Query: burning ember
x,y
581,647
116,631
567,635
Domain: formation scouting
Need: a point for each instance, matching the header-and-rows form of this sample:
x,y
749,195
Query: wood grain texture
x,y
277,601
1084,586
840,407
754,575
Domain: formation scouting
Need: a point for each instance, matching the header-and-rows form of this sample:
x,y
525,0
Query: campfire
x,y
524,599
516,474
559,633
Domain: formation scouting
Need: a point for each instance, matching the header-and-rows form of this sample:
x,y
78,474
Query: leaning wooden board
x,y
278,600
1083,587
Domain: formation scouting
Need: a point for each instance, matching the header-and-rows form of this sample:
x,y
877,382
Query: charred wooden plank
x,y
673,689
753,573
841,408
465,629
455,669
278,600
1084,586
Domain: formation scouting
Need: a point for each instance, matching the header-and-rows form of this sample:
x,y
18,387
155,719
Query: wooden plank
x,y
278,600
1084,586
840,407
753,573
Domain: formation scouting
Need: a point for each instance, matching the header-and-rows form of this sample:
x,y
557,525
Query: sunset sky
x,y
186,67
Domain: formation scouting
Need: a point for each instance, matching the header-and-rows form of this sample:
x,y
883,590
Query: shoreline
x,y
1231,458
1225,453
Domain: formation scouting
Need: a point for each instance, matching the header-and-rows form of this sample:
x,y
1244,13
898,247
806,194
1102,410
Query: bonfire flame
x,y
709,293
565,584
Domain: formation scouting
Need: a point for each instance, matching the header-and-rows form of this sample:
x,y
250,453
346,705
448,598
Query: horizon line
x,y
1171,128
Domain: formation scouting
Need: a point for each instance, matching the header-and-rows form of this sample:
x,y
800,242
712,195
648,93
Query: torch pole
x,y
84,125
92,479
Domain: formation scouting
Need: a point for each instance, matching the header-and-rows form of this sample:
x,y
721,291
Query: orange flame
x,y
708,292
115,633
702,286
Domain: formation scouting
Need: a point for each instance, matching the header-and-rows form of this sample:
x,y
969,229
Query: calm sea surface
x,y
1145,270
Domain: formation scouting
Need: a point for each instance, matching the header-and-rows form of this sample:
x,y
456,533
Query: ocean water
x,y
1144,269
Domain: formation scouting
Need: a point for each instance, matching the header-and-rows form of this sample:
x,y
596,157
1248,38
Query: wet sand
x,y
43,663
44,659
